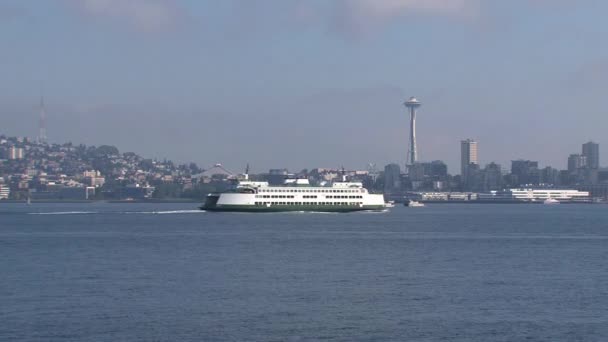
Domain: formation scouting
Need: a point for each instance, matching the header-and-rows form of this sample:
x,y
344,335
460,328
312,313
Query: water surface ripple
x,y
166,272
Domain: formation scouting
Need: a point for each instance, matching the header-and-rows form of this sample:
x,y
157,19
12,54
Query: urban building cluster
x,y
583,174
431,179
40,171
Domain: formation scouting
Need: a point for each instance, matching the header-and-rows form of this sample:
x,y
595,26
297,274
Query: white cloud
x,y
392,7
145,15
358,16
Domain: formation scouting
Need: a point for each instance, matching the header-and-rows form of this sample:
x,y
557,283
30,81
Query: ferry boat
x,y
294,195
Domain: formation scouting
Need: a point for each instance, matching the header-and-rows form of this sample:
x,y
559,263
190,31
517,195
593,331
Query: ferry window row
x,y
275,196
308,190
308,203
307,196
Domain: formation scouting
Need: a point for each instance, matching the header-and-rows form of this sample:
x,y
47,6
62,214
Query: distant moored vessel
x,y
412,203
550,201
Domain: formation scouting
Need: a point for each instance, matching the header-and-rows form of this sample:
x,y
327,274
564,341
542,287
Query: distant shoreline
x,y
502,202
200,201
105,201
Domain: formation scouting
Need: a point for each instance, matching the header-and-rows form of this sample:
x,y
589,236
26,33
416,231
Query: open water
x,y
167,272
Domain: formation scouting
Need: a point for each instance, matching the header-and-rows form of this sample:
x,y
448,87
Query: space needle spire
x,y
412,104
42,139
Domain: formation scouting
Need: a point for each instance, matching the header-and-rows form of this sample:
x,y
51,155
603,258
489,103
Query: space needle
x,y
412,104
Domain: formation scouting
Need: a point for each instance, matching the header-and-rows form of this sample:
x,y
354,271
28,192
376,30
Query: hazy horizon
x,y
302,84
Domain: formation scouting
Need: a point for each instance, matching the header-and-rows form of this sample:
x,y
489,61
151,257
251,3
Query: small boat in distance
x,y
412,203
389,204
550,201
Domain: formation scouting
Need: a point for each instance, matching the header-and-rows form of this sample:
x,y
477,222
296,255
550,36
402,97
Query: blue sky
x,y
297,83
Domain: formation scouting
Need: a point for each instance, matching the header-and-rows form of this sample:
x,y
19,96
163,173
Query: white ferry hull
x,y
330,202
286,208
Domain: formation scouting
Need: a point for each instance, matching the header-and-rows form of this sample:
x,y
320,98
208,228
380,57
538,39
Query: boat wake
x,y
66,213
160,212
164,212
310,212
333,212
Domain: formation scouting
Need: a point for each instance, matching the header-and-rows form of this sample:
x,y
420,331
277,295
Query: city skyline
x,y
589,158
60,171
187,75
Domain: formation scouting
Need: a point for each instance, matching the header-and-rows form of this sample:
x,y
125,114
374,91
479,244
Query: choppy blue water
x,y
166,272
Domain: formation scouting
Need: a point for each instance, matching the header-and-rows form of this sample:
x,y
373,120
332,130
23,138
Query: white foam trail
x,y
308,212
382,211
196,211
161,212
66,213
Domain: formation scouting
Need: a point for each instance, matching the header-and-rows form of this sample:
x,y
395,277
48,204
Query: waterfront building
x,y
602,175
492,177
436,170
591,151
427,196
324,174
474,180
392,179
537,195
576,162
5,191
91,173
461,196
440,185
599,190
277,176
15,153
590,176
215,173
525,172
550,176
416,172
564,177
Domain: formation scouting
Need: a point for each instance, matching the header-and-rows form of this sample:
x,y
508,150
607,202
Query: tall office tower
x,y
468,156
591,151
412,104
